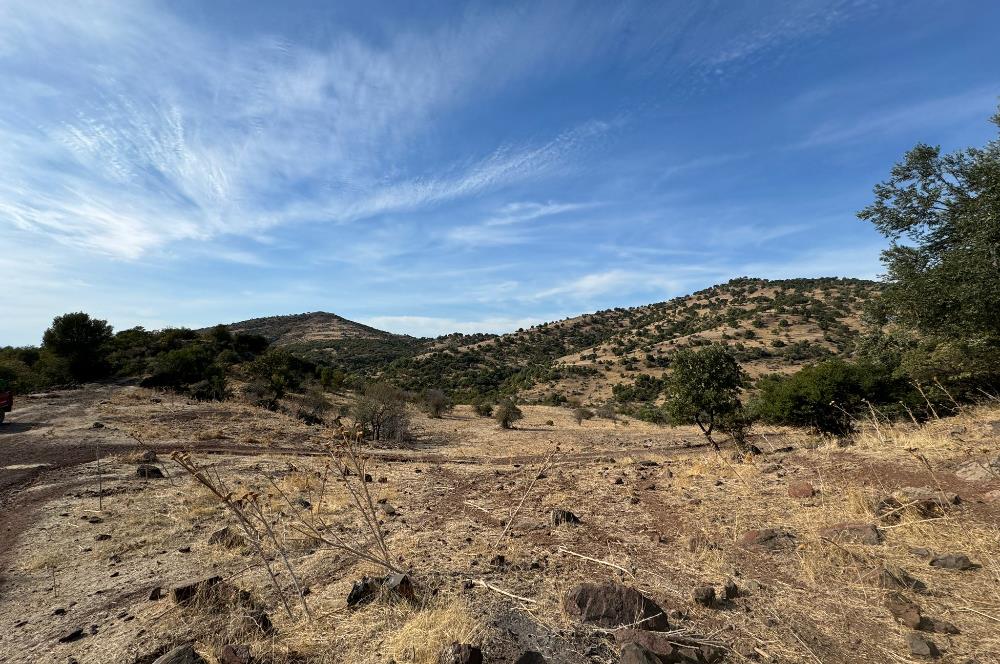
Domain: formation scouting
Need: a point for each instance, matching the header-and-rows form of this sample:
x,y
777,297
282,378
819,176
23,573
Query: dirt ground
x,y
466,510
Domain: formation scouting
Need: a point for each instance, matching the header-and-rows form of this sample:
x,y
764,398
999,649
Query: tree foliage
x,y
704,386
83,342
506,413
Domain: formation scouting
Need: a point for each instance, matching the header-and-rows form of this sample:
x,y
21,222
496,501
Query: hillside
x,y
771,326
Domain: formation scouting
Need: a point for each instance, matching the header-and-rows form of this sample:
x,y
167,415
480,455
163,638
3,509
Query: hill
x,y
771,326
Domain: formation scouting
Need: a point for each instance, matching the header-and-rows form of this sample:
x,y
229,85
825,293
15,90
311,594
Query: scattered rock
x,y
102,537
155,593
59,611
461,653
387,509
769,539
97,425
647,463
303,503
180,655
399,585
730,590
369,588
188,591
897,578
937,626
530,657
363,591
234,654
859,533
921,647
665,649
958,561
228,538
560,517
611,604
704,595
769,468
633,653
801,490
148,472
903,610
74,635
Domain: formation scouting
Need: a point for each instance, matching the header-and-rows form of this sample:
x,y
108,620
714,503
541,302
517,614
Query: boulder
x,y
461,653
973,471
937,626
184,654
148,472
957,561
768,539
633,653
560,517
858,533
611,605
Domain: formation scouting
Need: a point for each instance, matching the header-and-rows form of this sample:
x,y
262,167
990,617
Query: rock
x,y
903,610
768,539
897,578
74,635
611,604
647,463
530,657
666,649
730,590
148,472
387,509
560,517
155,593
59,611
769,468
801,490
364,591
921,647
180,655
633,653
958,561
147,456
704,595
234,654
859,533
937,626
303,503
189,591
97,425
461,653
102,537
399,585
973,471
228,537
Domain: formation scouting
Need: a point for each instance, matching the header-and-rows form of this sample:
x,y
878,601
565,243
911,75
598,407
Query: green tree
x,y
83,342
704,387
941,213
506,413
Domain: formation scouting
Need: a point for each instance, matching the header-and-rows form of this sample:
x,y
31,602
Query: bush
x,y
483,408
704,387
825,397
83,342
436,402
581,414
507,413
380,410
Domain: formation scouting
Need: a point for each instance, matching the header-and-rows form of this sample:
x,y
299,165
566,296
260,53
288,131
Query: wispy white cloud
x,y
610,281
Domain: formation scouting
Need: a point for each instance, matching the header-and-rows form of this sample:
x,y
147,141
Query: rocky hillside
x,y
772,326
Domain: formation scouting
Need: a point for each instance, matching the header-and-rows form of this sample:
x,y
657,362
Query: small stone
x,y
188,591
461,653
148,472
769,468
399,585
612,605
97,425
530,657
74,635
363,591
184,654
560,517
102,537
633,653
937,626
897,578
921,647
730,590
801,490
769,539
155,593
704,595
59,612
903,610
956,561
235,654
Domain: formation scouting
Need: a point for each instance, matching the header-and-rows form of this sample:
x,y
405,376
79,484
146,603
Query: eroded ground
x,y
467,511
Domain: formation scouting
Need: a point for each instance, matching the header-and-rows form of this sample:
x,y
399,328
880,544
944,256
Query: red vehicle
x,y
6,402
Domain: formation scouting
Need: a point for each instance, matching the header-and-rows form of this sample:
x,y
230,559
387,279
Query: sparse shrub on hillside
x,y
581,414
607,411
483,408
506,413
314,407
435,402
380,410
704,387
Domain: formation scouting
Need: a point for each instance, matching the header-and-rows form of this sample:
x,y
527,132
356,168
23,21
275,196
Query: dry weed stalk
x,y
249,513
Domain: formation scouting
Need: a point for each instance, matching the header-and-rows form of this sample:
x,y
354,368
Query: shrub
x,y
507,413
436,402
704,387
581,414
380,410
483,408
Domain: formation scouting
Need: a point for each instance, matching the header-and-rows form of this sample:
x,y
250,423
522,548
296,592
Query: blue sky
x,y
429,168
